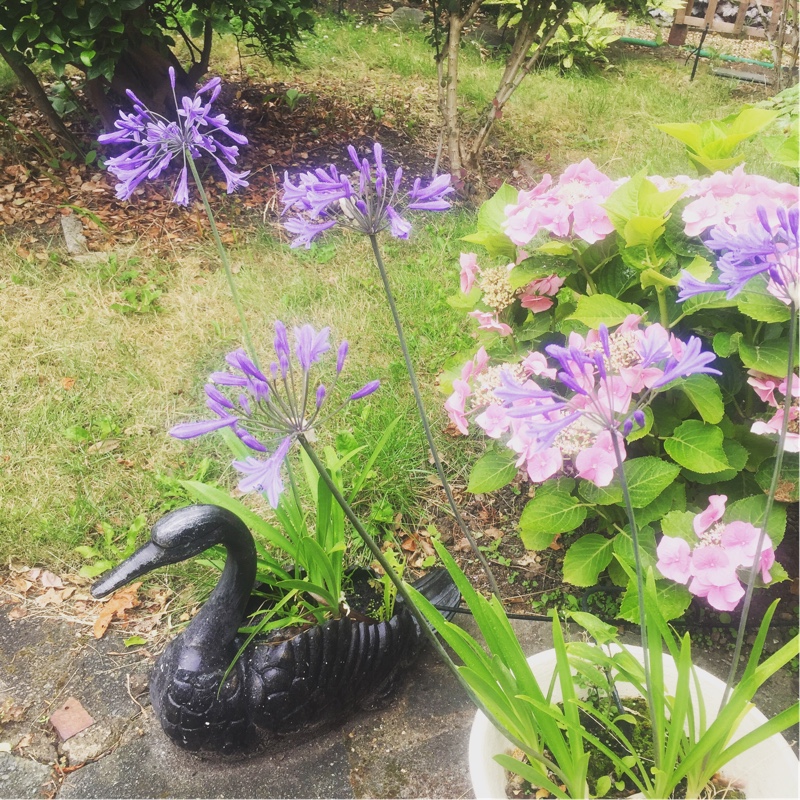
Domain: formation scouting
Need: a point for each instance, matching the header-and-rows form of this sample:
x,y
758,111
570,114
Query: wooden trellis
x,y
685,20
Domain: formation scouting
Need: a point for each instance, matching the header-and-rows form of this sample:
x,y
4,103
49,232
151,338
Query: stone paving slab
x,y
414,747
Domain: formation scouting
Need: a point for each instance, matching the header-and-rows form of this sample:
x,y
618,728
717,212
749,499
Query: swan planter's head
x,y
296,685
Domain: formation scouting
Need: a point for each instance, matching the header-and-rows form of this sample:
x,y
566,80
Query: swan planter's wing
x,y
309,681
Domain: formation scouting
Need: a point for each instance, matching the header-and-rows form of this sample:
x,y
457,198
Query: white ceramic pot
x,y
769,770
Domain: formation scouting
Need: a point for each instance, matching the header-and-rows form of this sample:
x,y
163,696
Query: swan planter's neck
x,y
307,682
185,533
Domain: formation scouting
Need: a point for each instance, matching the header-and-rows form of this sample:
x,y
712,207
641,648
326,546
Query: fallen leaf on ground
x,y
119,603
50,598
68,383
106,446
18,612
10,711
49,580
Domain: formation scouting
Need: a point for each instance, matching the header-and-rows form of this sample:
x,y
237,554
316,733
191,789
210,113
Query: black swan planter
x,y
295,686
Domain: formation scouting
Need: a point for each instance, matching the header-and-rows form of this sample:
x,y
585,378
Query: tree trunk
x,y
518,66
451,124
40,99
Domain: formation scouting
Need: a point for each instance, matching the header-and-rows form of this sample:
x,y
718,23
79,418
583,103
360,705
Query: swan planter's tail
x,y
310,681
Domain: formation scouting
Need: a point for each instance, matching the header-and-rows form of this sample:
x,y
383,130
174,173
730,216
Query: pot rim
x,y
773,763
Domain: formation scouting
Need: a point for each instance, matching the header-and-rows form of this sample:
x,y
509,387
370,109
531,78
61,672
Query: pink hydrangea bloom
x,y
490,322
597,463
710,566
494,421
705,519
455,405
469,269
536,364
674,559
732,199
571,207
765,387
536,295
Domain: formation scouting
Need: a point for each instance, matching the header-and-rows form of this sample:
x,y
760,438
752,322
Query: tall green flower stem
x,y
425,626
640,589
424,417
223,257
773,486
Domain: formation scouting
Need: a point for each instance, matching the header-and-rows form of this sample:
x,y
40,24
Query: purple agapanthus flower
x,y
762,249
155,141
269,412
323,198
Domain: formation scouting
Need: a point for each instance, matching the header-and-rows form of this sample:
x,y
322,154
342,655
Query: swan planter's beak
x,y
147,558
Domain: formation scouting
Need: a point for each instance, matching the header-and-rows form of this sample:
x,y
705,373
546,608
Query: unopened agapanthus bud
x,y
341,355
365,390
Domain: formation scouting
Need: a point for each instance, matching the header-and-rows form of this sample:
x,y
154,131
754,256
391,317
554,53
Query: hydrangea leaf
x,y
671,499
647,477
680,525
623,547
587,558
491,471
756,302
736,454
603,309
548,514
672,599
788,480
492,214
601,495
706,397
726,344
768,357
697,446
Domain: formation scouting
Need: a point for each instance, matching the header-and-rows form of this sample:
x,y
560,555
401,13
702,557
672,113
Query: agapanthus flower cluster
x,y
731,198
765,387
570,207
766,247
578,427
499,294
710,565
370,202
269,412
156,141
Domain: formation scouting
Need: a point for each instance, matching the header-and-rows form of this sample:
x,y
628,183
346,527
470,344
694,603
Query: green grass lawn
x,y
89,390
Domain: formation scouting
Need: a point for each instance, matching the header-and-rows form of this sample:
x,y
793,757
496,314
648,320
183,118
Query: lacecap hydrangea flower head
x,y
268,412
155,141
599,390
710,564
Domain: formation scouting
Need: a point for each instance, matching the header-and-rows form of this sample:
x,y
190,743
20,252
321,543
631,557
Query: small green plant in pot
x,y
690,739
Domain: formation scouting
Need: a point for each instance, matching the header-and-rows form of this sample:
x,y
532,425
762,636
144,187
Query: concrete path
x,y
416,747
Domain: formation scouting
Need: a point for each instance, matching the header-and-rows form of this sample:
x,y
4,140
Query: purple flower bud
x,y
341,355
639,417
365,390
250,441
190,430
216,395
320,395
281,341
